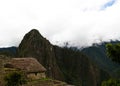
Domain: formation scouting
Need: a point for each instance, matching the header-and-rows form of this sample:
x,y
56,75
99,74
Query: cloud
x,y
81,22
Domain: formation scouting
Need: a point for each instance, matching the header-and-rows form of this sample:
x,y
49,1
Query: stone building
x,y
32,68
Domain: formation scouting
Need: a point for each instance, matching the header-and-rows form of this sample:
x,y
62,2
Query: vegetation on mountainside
x,y
35,45
15,79
61,64
77,68
67,64
10,51
111,82
97,53
113,52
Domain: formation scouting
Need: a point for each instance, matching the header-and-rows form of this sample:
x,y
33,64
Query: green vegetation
x,y
41,79
12,69
78,70
10,51
113,51
111,82
15,79
65,64
45,79
99,56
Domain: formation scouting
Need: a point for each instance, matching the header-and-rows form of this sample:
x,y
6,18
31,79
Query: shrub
x,y
15,79
111,82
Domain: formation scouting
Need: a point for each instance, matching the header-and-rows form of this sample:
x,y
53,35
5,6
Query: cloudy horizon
x,y
80,22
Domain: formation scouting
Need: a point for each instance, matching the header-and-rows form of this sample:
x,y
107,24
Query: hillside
x,y
34,45
78,68
97,53
64,64
9,51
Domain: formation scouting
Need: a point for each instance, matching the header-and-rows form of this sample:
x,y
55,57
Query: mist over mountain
x,y
79,22
62,63
57,60
97,53
71,64
69,39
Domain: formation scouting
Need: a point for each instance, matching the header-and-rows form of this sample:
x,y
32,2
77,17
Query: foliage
x,y
15,79
76,66
45,79
113,51
111,82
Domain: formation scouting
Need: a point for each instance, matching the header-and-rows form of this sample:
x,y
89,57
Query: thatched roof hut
x,y
29,65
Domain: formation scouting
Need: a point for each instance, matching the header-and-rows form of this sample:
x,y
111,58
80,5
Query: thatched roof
x,y
29,65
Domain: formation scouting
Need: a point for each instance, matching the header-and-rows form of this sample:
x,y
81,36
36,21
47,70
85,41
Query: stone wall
x,y
33,76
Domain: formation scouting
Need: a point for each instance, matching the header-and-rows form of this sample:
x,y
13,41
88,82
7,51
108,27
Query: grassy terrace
x,y
45,82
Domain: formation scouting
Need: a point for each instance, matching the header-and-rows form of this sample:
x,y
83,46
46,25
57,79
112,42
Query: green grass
x,y
41,79
40,82
10,69
45,79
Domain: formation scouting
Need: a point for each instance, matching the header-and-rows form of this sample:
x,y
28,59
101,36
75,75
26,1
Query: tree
x,y
111,82
15,79
113,52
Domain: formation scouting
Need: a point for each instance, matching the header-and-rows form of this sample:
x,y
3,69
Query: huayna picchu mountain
x,y
34,45
62,63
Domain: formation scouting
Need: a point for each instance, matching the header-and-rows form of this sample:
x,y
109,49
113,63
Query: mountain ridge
x,y
35,45
65,64
98,54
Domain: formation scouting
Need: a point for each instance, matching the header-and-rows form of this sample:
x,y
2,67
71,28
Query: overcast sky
x,y
81,22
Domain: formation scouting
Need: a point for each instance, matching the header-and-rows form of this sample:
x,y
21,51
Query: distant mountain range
x,y
9,51
66,64
97,53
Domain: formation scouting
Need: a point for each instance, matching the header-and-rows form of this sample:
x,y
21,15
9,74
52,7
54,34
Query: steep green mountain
x,y
34,45
78,69
61,63
97,53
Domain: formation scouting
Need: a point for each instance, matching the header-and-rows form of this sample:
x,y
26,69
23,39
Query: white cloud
x,y
80,21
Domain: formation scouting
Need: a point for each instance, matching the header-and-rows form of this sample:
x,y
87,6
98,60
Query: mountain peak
x,y
34,31
35,45
32,40
60,62
33,36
